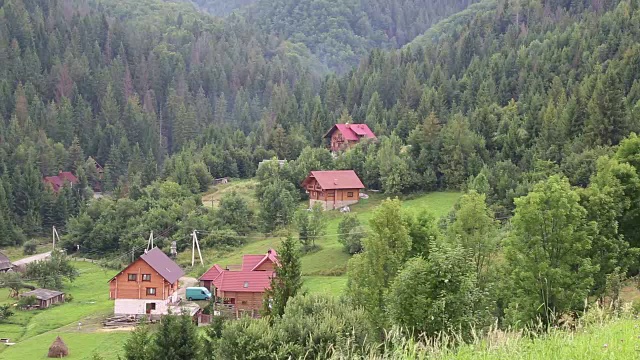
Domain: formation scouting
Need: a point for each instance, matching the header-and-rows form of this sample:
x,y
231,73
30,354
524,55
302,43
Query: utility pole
x,y
55,236
150,242
195,244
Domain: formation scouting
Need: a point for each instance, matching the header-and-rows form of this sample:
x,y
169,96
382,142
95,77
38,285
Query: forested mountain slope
x,y
125,82
340,32
222,7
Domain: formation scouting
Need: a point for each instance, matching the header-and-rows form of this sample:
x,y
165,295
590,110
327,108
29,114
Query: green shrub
x,y
27,301
29,247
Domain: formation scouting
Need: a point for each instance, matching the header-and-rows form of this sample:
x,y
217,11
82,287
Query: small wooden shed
x,y
45,297
58,349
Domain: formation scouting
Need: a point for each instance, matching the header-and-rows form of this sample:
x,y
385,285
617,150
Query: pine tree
x,y
607,121
287,280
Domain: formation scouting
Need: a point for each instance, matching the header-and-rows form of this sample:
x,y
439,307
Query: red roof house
x,y
57,182
344,136
242,287
333,189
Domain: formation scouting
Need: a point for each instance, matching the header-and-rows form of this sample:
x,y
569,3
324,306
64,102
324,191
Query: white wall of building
x,y
139,307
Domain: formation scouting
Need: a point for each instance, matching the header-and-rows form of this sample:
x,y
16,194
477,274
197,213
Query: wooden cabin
x,y
62,179
241,288
344,136
148,285
333,189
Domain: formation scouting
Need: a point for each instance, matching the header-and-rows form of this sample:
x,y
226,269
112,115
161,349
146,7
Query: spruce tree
x,y
287,280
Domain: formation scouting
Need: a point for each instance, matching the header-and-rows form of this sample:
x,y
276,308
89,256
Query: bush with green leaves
x,y
437,294
5,312
52,272
29,247
27,301
351,233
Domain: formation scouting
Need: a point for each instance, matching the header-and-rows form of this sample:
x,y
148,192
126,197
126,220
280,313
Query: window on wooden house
x,y
146,277
350,194
132,277
244,303
151,291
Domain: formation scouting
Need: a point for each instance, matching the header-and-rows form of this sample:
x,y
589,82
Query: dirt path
x,y
31,259
186,282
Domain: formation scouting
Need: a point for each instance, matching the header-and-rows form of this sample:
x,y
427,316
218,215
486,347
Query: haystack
x,y
58,349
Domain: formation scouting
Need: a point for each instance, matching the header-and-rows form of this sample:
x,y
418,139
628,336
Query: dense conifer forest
x,y
530,107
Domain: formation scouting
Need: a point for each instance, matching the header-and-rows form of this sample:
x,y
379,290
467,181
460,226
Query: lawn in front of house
x,y
90,304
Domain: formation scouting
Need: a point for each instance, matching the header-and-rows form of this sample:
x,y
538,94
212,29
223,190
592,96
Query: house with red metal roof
x,y
63,178
242,287
344,136
333,189
148,285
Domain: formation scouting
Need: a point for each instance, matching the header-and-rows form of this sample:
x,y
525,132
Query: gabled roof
x,y
335,179
67,176
42,294
250,261
161,263
248,279
243,281
58,181
271,255
212,273
352,132
5,263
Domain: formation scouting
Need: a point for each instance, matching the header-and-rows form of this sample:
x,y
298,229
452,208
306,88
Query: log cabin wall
x,y
123,287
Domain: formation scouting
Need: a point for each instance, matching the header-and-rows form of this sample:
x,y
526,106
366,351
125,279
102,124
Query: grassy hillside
x,y
246,188
324,270
599,337
33,331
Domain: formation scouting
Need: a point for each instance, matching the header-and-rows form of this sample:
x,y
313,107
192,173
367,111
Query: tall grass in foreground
x,y
601,333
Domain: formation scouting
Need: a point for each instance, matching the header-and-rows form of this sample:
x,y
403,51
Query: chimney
x,y
335,181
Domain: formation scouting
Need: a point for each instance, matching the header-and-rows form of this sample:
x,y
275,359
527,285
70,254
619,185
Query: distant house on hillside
x,y
5,263
333,189
148,285
60,180
268,161
242,287
95,181
344,136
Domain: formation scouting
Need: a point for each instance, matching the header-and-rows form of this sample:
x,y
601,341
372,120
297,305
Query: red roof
x,y
250,261
271,256
352,132
335,179
248,279
67,176
58,181
243,281
212,273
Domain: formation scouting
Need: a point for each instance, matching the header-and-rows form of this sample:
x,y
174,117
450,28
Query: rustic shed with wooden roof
x,y
45,297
